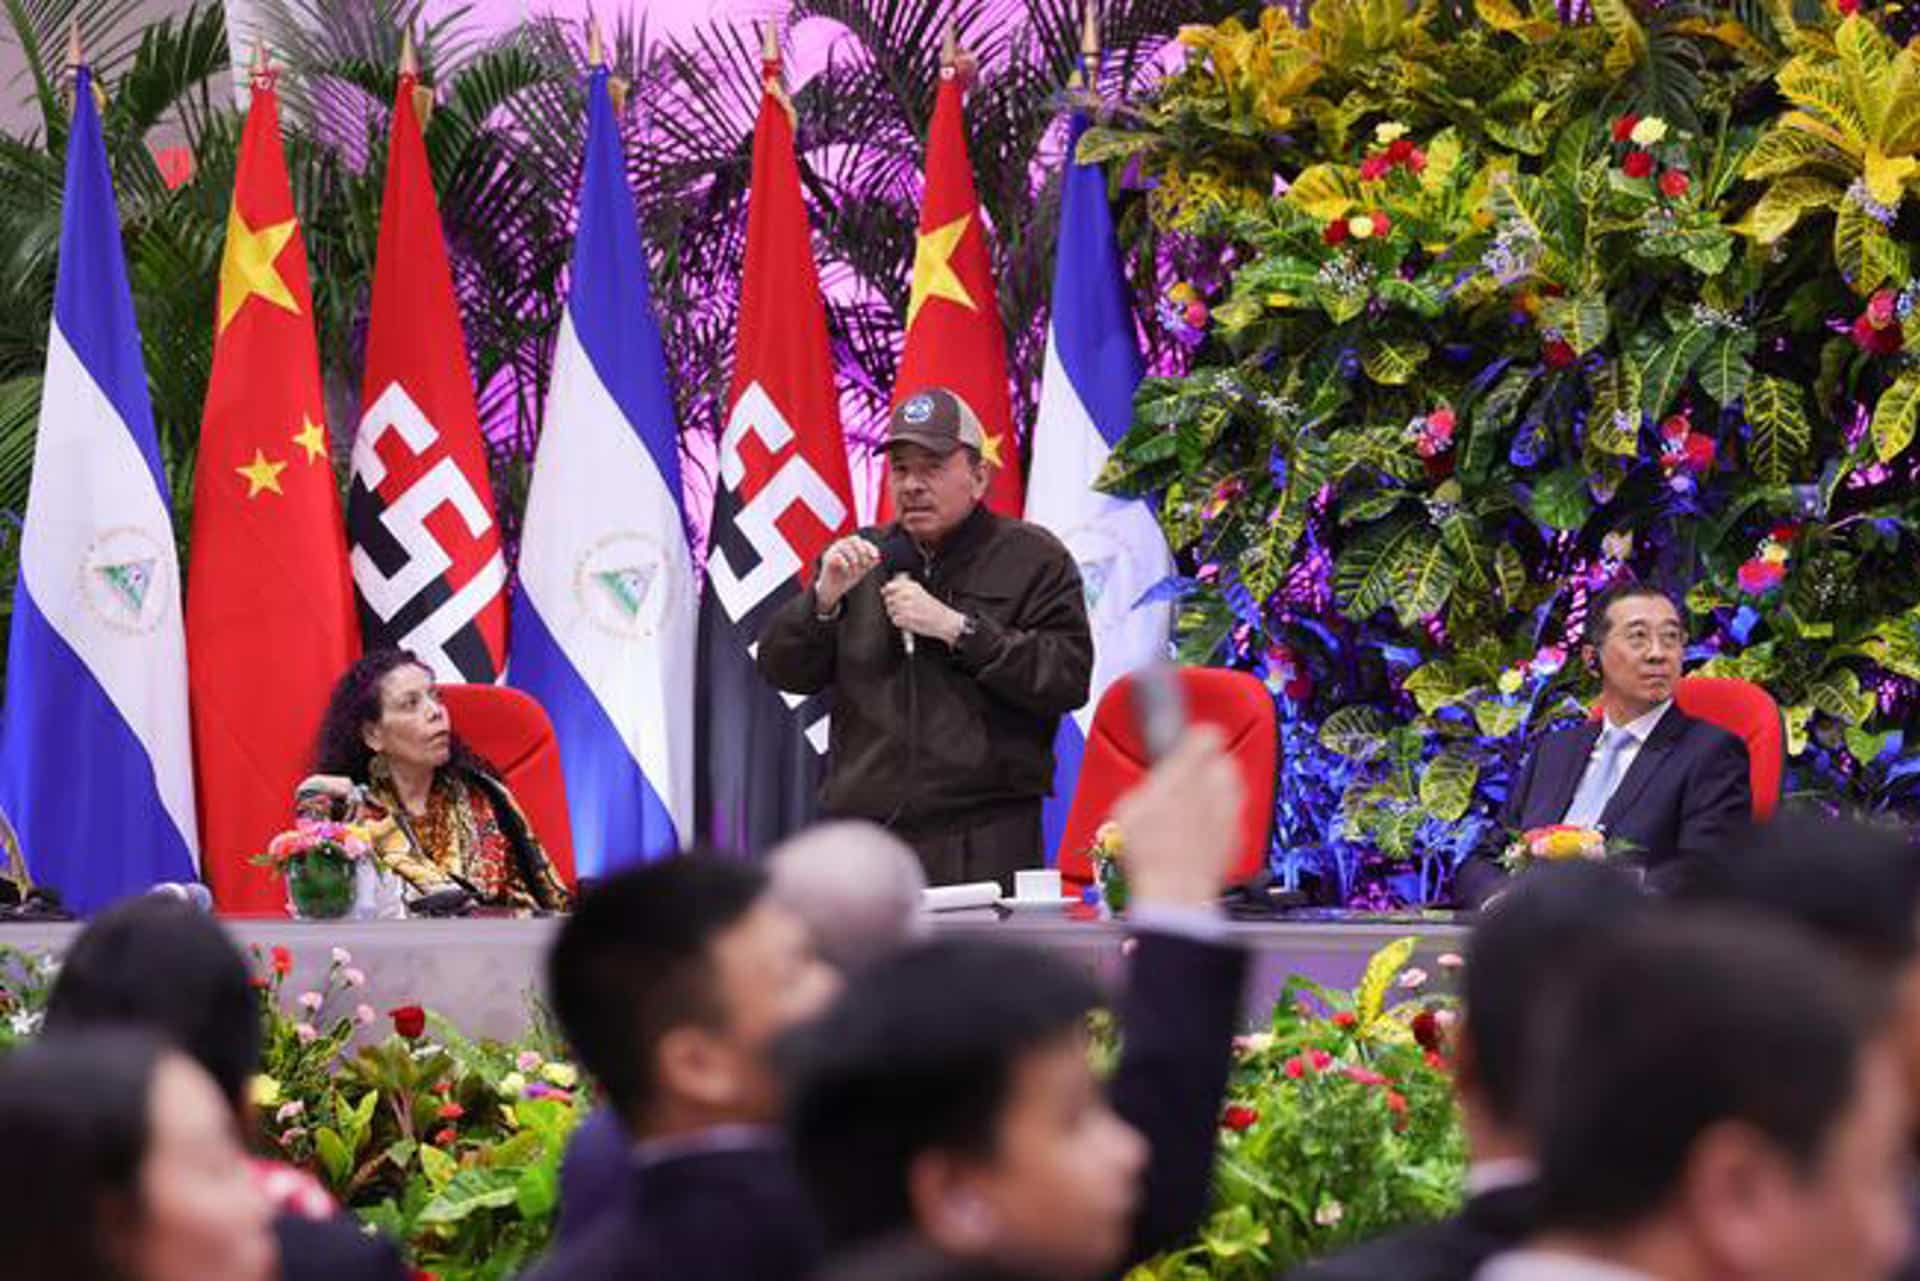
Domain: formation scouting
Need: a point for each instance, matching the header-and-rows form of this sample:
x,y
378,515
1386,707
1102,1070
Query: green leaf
x,y
1099,145
1670,366
1894,415
1794,720
1560,499
1357,509
1785,202
437,1166
1724,369
1781,432
538,1192
1581,320
1446,787
1866,255
1510,571
1370,994
1614,425
333,1154
1423,579
1498,718
400,1152
1838,694
469,1192
1393,363
1434,685
1864,746
1786,149
1364,574
1357,731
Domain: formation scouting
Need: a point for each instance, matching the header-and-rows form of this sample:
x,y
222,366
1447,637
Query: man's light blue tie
x,y
1602,776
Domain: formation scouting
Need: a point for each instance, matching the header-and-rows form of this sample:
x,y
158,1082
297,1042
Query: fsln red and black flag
x,y
427,566
783,495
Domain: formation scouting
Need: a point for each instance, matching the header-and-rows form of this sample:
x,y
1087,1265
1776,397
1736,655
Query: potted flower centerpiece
x,y
322,863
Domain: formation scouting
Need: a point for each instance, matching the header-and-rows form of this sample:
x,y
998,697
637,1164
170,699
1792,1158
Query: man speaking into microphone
x,y
954,640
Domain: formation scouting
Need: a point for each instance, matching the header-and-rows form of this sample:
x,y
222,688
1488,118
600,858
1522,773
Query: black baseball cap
x,y
935,419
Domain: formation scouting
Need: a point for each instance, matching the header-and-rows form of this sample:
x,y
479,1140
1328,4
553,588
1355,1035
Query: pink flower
x,y
354,978
1320,1060
312,1001
1365,1076
1295,1068
1882,337
1396,1102
288,1111
1414,977
450,1112
1758,577
363,1015
1450,961
1196,314
289,1137
1375,167
528,1061
1547,661
306,1033
1847,8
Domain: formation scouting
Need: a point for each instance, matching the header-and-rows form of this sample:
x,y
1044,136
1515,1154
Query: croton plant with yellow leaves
x,y
1508,309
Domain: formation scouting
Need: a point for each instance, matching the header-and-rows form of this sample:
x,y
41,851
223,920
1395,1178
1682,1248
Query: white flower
x,y
529,1061
364,1015
25,1023
1253,1043
1450,960
1649,131
1329,1213
354,978
561,1074
1360,226
49,966
1389,131
342,957
312,1001
290,1110
511,1085
1413,978
306,1032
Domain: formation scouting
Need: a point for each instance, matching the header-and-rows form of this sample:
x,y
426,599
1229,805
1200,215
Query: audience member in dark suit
x,y
948,1098
1716,1096
1645,773
858,888
1549,917
163,966
1850,885
671,981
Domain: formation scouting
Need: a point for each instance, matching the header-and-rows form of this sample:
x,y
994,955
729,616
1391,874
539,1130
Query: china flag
x,y
269,604
427,564
954,336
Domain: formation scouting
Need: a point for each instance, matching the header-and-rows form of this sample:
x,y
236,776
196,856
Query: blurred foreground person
x,y
1549,918
857,888
1716,1098
119,1161
945,1113
671,982
164,966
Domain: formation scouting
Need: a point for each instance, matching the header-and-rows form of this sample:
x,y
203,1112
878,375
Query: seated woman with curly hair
x,y
436,814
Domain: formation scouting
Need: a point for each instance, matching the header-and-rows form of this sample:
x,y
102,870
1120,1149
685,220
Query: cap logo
x,y
918,411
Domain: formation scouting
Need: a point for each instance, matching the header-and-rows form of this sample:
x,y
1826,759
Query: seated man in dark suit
x,y
1551,915
946,1110
1645,773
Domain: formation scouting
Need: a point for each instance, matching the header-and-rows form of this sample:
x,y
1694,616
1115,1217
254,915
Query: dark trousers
x,y
992,850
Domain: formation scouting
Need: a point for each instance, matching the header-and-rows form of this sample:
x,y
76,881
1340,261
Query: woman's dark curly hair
x,y
341,749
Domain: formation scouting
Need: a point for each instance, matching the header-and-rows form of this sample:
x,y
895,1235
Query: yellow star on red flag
x,y
312,437
990,449
933,274
261,475
247,267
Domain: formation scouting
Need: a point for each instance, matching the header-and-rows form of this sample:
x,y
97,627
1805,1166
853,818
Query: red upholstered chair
x,y
512,731
1115,760
1744,709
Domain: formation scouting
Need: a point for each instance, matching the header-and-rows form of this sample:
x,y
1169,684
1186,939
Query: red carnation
x,y
1237,1117
446,1138
257,981
1674,183
1847,8
1783,533
1400,150
1623,127
1343,1019
1877,340
1557,353
1638,164
282,961
409,1021
1295,1068
1381,223
1365,1076
1426,1030
1374,167
1336,231
1699,451
450,1112
1396,1102
1320,1060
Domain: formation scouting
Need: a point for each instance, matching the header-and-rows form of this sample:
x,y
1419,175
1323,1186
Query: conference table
x,y
484,973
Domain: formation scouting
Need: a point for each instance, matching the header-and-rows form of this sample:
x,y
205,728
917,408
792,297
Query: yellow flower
x,y
1510,681
1360,227
511,1085
564,1075
264,1091
1389,131
1183,293
1649,131
1557,844
1773,553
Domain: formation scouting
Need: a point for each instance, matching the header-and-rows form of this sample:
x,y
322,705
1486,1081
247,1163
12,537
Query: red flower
x,y
1699,451
1336,231
421,1274
1758,577
1320,1059
443,1088
1196,315
1877,340
1295,1068
1674,183
1238,1118
1623,127
1638,164
1784,533
1557,353
1435,1062
450,1112
1417,162
282,961
1400,150
409,1021
1396,1102
1381,223
1365,1076
1847,8
1343,1019
1426,1030
446,1138
258,982
1374,167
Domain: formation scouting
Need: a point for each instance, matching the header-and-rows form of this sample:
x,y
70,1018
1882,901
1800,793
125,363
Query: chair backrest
x,y
511,730
1747,711
1116,759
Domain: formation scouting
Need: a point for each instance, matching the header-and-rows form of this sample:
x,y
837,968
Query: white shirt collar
x,y
1493,1176
1641,729
1552,1265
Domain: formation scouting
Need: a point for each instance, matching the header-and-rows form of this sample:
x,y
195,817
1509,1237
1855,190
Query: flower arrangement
x,y
1558,843
1108,873
26,981
319,861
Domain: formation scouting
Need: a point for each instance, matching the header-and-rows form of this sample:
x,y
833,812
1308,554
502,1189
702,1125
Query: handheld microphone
x,y
900,559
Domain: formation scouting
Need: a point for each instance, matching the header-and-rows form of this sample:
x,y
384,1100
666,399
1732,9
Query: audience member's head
x,y
672,981
858,887
1551,915
120,1161
1715,1096
1635,638
948,1093
163,965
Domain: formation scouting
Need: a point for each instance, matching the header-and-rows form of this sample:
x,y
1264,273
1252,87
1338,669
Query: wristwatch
x,y
968,626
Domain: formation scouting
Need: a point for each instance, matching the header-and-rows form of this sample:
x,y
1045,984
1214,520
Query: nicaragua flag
x,y
604,618
96,755
1086,406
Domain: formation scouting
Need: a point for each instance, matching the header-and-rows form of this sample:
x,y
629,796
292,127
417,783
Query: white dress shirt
x,y
1551,1265
1638,731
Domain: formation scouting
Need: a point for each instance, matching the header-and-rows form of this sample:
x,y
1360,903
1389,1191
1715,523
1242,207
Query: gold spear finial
x,y
769,42
950,45
770,72
76,56
409,61
596,47
1090,31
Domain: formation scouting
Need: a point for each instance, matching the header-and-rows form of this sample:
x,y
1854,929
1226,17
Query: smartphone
x,y
1160,706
